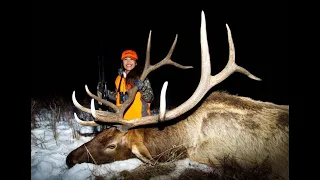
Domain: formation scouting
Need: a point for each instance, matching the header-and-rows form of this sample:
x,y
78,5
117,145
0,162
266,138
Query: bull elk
x,y
250,132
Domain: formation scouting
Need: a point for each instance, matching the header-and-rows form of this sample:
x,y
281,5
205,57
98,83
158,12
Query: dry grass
x,y
55,117
147,172
58,109
36,106
229,170
53,111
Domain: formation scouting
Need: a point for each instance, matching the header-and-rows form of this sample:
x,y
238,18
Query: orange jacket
x,y
138,108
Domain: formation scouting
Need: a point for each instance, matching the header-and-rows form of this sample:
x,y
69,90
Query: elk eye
x,y
111,146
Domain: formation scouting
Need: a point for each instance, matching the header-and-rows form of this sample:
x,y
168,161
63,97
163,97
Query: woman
x,y
128,76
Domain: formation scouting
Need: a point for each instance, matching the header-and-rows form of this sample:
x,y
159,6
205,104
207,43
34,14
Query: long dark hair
x,y
134,74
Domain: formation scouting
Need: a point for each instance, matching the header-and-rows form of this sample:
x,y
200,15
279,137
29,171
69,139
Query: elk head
x,y
109,146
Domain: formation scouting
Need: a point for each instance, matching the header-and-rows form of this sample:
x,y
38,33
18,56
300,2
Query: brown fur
x,y
248,131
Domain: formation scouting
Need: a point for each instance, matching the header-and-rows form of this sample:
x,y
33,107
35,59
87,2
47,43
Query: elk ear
x,y
141,151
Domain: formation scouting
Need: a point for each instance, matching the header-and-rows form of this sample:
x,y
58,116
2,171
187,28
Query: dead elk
x,y
250,132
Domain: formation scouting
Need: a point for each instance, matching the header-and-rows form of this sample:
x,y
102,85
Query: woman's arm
x,y
145,90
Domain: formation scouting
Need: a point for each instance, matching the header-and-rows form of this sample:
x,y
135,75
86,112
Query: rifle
x,y
102,84
102,89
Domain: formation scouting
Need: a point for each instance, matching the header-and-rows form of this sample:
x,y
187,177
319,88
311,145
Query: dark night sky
x,y
66,43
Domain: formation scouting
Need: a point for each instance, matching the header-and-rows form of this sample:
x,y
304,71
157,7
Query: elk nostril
x,y
69,162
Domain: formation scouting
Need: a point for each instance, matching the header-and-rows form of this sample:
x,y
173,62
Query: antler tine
x,y
105,102
84,109
147,62
85,123
162,109
166,61
231,66
232,59
78,105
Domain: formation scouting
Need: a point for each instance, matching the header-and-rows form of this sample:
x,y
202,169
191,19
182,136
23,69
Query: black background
x,y
67,36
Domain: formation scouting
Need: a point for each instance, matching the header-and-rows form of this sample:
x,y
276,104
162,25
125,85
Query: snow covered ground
x,y
50,148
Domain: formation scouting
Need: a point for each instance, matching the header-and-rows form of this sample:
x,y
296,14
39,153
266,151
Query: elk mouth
x,y
73,159
70,163
77,157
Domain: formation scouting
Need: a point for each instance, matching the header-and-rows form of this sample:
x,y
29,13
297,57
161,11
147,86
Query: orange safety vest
x,y
136,108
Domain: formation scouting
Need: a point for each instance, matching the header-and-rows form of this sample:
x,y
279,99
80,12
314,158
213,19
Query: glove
x,y
123,97
101,87
120,71
139,84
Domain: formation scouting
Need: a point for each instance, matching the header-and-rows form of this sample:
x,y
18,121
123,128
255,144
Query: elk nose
x,y
69,162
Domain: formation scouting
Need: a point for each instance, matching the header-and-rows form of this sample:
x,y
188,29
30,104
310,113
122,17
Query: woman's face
x,y
128,64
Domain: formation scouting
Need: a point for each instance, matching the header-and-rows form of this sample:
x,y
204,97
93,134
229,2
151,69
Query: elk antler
x,y
206,83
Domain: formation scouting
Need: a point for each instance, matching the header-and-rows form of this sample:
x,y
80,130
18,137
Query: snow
x,y
49,151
